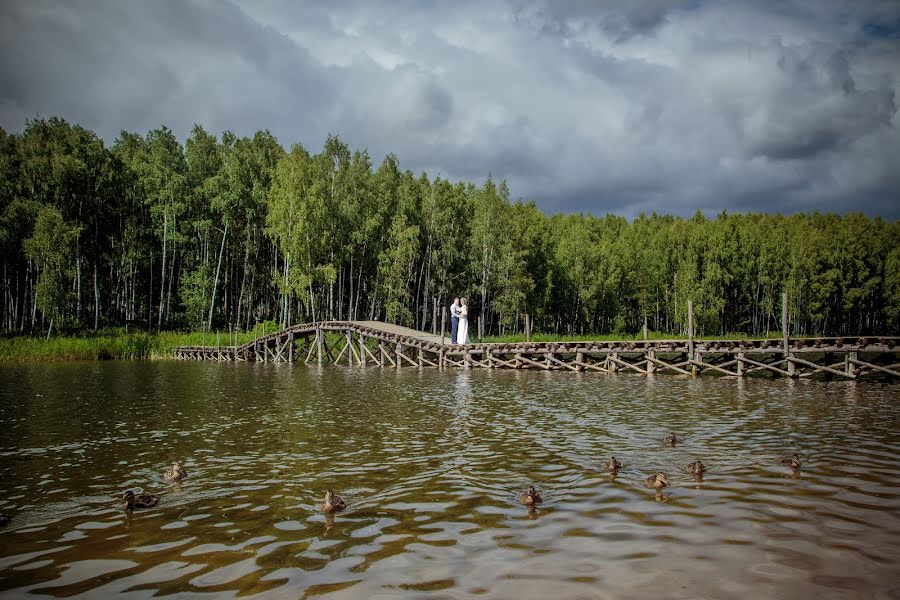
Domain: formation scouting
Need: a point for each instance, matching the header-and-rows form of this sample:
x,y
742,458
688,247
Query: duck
x,y
530,497
671,439
333,503
613,465
175,472
792,461
141,501
4,519
658,481
696,468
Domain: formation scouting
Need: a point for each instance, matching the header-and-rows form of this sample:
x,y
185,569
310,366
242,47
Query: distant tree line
x,y
226,232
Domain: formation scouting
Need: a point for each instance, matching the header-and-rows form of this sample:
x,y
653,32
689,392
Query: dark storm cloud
x,y
582,105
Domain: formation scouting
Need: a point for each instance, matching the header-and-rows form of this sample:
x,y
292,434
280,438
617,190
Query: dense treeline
x,y
231,231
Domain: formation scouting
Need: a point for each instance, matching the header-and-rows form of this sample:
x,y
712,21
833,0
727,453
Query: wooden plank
x,y
400,355
821,368
369,352
587,365
887,369
352,347
506,363
454,363
664,365
705,365
552,358
760,365
342,353
385,355
426,361
542,365
623,363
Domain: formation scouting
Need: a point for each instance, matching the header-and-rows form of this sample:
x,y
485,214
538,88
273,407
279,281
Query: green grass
x,y
109,344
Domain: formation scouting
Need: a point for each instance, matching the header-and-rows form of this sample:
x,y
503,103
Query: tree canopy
x,y
227,231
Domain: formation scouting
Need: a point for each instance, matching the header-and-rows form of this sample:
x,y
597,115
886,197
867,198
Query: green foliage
x,y
196,292
236,231
51,248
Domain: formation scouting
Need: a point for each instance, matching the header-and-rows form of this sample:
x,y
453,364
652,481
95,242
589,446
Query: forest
x,y
223,232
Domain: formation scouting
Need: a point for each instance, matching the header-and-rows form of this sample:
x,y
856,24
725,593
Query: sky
x,y
592,106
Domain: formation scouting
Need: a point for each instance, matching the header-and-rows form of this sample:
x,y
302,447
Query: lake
x,y
431,464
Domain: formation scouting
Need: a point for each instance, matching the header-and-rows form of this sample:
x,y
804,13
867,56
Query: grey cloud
x,y
116,65
817,108
583,106
620,20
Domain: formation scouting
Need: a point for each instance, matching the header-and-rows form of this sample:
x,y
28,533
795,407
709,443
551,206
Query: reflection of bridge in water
x,y
383,344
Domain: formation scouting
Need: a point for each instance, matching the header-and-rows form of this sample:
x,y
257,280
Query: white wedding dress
x,y
462,334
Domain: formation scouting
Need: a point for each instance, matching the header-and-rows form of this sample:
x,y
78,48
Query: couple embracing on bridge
x,y
459,321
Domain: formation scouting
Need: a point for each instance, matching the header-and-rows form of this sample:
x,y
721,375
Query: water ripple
x,y
431,465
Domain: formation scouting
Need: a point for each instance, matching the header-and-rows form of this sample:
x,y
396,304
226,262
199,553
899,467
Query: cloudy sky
x,y
581,105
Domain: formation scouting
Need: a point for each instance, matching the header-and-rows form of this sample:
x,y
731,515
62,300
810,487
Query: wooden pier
x,y
362,343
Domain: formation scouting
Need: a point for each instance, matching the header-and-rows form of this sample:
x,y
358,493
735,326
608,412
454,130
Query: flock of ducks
x,y
529,498
532,497
176,473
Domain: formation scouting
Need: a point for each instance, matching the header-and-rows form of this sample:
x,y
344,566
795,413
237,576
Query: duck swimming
x,y
658,481
792,461
671,439
613,465
530,497
696,468
133,502
175,473
333,503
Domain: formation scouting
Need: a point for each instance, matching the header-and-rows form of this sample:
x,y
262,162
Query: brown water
x,y
431,464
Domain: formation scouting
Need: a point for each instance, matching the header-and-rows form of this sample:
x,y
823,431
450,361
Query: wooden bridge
x,y
375,343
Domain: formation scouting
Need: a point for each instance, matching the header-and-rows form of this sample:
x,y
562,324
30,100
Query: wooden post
x,y
319,343
579,358
651,354
691,355
291,347
611,365
443,323
691,329
740,363
527,328
434,316
785,336
850,367
349,349
398,349
362,350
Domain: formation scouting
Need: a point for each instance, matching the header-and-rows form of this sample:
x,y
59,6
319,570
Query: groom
x,y
454,320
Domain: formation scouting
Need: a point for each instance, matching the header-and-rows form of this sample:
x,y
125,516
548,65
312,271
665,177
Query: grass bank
x,y
108,344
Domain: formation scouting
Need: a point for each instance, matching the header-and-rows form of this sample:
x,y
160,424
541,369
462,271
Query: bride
x,y
462,334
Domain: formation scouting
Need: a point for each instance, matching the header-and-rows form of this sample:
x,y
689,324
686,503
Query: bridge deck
x,y
390,328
